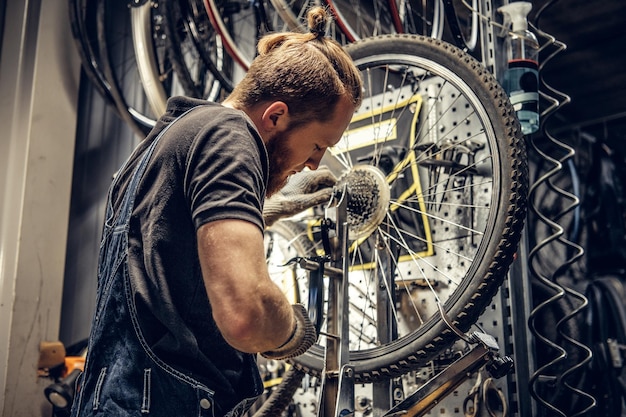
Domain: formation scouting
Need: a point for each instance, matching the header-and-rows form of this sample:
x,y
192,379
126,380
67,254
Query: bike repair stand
x,y
337,387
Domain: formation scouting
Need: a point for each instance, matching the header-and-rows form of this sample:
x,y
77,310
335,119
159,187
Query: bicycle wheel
x,y
352,20
82,23
166,54
419,17
133,60
147,58
429,18
240,24
293,14
88,28
194,50
440,131
361,19
462,19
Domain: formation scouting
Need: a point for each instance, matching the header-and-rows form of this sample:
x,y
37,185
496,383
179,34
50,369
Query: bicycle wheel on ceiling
x,y
239,25
435,163
362,19
454,21
176,53
293,14
135,59
463,22
87,23
82,23
352,20
418,17
195,51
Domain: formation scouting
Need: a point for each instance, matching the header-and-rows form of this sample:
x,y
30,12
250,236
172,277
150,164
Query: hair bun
x,y
318,19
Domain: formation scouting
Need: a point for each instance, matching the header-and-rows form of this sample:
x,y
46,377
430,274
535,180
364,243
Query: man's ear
x,y
276,117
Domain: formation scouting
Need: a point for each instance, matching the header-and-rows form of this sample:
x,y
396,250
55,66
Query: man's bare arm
x,y
249,309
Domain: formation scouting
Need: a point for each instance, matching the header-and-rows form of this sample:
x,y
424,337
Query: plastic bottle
x,y
521,78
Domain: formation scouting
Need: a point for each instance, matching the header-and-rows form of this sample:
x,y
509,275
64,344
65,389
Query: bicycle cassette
x,y
368,199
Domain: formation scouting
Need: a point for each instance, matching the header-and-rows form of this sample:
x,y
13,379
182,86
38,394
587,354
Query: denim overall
x,y
124,380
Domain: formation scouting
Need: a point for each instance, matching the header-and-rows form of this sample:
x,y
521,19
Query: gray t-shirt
x,y
211,164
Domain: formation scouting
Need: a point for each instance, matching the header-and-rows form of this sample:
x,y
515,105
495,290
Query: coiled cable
x,y
553,384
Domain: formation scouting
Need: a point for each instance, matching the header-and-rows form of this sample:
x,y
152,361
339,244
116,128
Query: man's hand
x,y
304,190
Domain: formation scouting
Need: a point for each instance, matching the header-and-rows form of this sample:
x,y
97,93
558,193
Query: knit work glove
x,y
304,190
302,338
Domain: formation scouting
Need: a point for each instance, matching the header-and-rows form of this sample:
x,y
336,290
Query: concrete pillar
x,y
39,73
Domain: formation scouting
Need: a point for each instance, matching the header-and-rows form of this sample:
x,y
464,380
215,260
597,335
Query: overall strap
x,y
127,204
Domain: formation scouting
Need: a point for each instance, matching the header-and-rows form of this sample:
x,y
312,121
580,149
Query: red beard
x,y
279,157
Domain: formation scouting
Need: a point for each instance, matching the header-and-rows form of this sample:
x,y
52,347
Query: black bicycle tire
x,y
419,348
456,26
221,28
352,33
86,26
264,23
282,395
171,16
425,18
78,13
222,65
135,119
177,13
